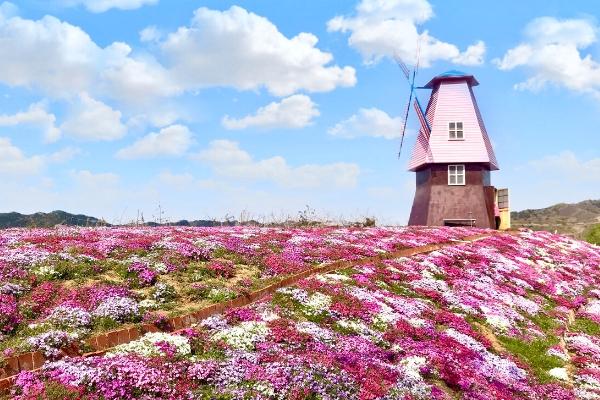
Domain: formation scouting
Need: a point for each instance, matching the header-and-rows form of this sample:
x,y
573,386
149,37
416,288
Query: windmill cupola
x,y
451,75
453,157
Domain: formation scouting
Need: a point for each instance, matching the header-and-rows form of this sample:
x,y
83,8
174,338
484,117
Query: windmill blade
x,y
403,129
402,66
422,119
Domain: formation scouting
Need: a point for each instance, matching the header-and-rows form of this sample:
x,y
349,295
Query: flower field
x,y
503,317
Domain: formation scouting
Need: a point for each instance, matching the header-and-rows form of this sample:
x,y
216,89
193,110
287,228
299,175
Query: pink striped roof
x,y
452,100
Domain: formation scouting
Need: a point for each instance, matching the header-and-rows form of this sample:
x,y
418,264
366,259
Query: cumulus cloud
x,y
14,162
383,28
473,55
173,140
368,122
93,120
100,6
62,60
36,115
552,54
226,158
243,50
293,112
150,34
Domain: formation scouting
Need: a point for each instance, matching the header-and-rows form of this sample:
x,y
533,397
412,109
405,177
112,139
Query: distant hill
x,y
46,220
572,219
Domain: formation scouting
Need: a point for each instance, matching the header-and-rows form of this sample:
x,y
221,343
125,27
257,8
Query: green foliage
x,y
209,392
218,295
587,326
56,391
75,270
593,235
533,353
402,290
544,322
106,323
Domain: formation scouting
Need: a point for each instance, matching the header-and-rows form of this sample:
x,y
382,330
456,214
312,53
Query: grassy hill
x,y
571,219
47,220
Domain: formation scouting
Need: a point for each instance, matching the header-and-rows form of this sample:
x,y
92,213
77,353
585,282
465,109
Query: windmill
x,y
410,77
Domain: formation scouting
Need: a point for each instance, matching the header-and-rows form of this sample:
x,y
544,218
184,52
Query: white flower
x,y
317,303
498,322
244,335
147,345
314,330
559,373
46,271
148,304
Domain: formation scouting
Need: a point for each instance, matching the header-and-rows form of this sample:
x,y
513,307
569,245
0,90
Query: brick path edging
x,y
33,361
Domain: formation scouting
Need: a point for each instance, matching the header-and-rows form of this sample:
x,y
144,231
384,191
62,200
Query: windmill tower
x,y
453,157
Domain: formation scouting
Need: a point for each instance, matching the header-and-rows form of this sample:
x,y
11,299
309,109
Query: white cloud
x,y
474,55
62,60
173,140
138,80
552,54
37,115
293,112
368,122
93,120
566,164
14,162
8,9
241,49
99,6
383,28
150,34
95,180
228,159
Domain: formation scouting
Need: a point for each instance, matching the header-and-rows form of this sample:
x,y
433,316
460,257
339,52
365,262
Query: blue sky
x,y
215,108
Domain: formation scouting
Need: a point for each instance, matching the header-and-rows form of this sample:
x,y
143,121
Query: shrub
x,y
163,292
593,235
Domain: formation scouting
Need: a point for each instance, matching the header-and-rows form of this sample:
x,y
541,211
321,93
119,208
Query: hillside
x,y
273,313
51,219
47,220
572,219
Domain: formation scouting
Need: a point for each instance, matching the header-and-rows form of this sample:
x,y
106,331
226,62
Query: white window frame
x,y
458,172
454,130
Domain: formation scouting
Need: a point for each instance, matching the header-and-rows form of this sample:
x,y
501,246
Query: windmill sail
x,y
421,115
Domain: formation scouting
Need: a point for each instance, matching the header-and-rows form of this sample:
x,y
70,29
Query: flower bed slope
x,y
506,317
65,284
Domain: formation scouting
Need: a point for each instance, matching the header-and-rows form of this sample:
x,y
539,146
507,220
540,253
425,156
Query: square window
x,y
456,174
455,131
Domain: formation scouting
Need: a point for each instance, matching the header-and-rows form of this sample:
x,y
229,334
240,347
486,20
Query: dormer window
x,y
455,131
456,174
